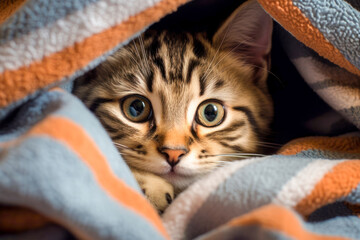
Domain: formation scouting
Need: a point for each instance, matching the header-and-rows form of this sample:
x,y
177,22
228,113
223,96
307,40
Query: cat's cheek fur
x,y
153,163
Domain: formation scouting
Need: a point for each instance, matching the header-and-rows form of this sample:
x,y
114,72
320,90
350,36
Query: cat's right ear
x,y
247,34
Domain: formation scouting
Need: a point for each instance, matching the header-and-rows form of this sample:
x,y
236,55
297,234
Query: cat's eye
x,y
210,113
136,108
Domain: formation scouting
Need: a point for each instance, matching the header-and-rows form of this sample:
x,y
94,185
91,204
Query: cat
x,y
179,105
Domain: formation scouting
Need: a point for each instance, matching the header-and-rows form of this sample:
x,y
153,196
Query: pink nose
x,y
173,156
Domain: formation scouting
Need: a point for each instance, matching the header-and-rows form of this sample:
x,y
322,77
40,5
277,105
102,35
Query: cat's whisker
x,y
268,71
140,56
232,50
142,46
120,149
216,53
122,154
222,58
241,154
220,164
269,143
218,49
121,145
267,146
234,157
224,161
134,60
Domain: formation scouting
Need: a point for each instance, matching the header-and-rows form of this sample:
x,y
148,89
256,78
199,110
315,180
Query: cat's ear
x,y
247,33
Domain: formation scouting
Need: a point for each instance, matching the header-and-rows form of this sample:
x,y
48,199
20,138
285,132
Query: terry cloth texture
x,y
309,190
59,40
59,161
61,176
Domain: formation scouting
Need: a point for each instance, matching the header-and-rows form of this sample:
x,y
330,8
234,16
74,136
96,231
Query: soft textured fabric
x,y
331,28
277,194
54,47
61,176
59,161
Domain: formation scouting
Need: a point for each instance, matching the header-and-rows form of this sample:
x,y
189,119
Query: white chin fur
x,y
180,182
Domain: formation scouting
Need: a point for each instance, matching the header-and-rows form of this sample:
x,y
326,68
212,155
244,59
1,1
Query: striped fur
x,y
177,72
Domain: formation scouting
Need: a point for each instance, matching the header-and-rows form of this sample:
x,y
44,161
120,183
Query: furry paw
x,y
157,190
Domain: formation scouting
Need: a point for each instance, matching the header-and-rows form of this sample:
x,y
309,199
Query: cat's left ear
x,y
247,33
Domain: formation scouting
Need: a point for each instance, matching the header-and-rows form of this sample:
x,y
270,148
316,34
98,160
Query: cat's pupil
x,y
210,112
136,108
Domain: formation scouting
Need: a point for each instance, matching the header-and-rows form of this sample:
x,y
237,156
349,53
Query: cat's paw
x,y
157,190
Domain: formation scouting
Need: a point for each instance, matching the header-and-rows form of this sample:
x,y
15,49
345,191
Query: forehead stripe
x,y
150,80
131,78
192,65
219,84
202,84
154,47
160,64
199,49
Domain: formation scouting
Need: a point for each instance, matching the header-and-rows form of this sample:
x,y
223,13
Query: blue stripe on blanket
x,y
56,183
354,196
326,154
345,226
47,175
36,14
60,103
242,191
71,109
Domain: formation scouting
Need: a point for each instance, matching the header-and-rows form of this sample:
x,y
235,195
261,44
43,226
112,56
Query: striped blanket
x,y
61,177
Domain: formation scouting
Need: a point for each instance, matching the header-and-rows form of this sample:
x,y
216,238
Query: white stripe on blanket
x,y
176,219
304,182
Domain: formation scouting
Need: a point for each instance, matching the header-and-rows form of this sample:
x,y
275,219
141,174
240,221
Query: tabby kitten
x,y
177,105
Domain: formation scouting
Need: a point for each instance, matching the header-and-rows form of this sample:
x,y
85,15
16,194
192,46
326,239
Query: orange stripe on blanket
x,y
293,20
16,84
337,183
8,7
279,219
77,139
335,144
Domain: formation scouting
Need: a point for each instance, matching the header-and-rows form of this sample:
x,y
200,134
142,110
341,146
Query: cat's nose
x,y
173,156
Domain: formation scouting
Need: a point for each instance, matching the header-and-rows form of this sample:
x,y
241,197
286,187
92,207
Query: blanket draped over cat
x,y
61,175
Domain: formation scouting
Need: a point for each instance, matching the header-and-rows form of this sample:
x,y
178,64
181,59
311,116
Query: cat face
x,y
178,105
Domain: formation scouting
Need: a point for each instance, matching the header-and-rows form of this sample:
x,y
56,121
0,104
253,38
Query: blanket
x,y
62,178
